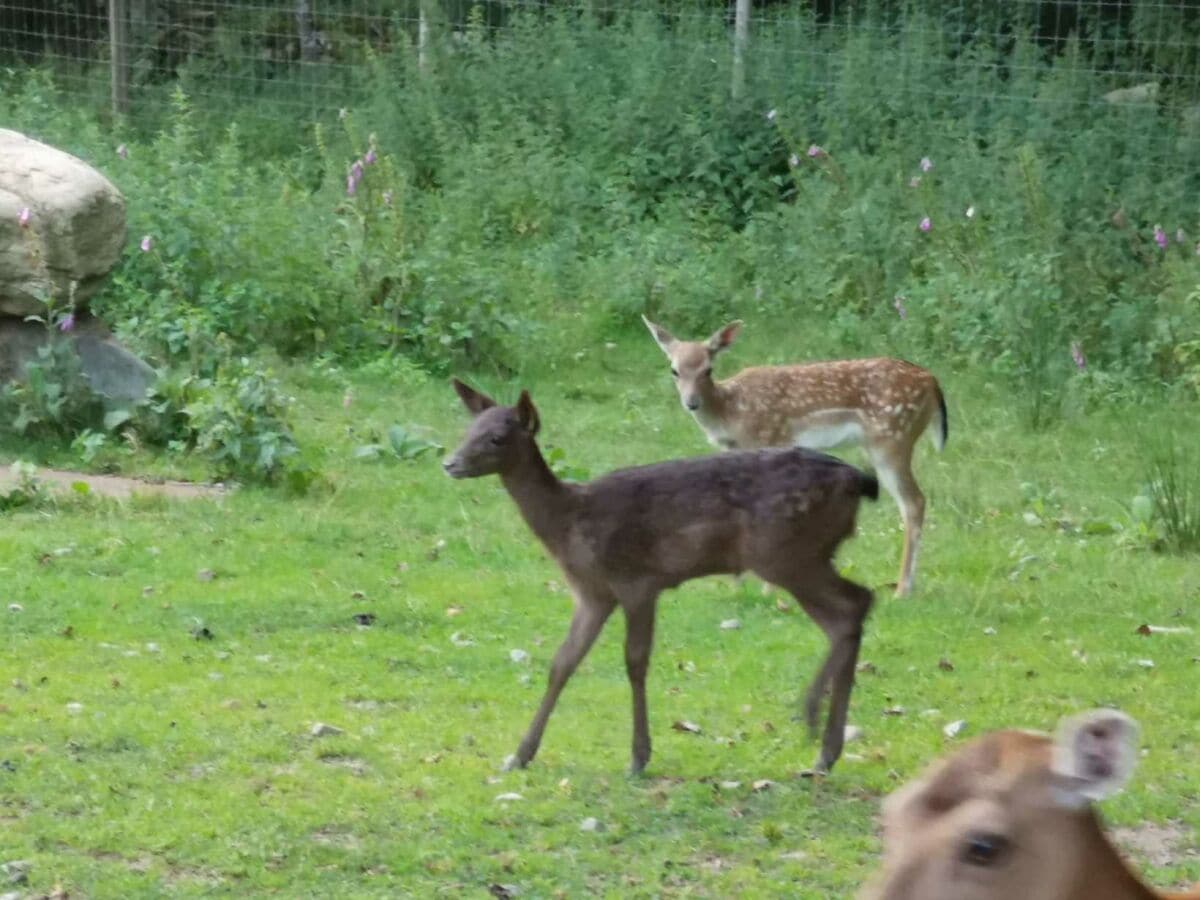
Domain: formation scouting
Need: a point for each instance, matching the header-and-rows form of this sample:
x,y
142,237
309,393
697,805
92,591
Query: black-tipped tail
x,y
944,417
868,486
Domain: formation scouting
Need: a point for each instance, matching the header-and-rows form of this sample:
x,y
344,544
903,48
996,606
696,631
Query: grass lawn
x,y
138,759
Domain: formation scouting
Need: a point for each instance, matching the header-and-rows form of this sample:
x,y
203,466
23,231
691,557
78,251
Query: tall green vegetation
x,y
915,186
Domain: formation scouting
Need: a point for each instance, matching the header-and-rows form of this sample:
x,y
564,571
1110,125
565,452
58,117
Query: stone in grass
x,y
591,823
321,729
17,870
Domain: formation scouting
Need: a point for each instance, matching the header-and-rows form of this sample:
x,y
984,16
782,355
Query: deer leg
x,y
586,624
895,474
840,608
639,641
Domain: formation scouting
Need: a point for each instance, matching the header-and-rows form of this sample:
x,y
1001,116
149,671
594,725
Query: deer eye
x,y
674,372
708,372
496,439
985,849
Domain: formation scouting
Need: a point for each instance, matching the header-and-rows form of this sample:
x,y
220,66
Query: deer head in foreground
x,y
882,404
1010,816
622,539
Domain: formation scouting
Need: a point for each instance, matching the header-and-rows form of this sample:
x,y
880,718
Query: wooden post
x,y
741,34
422,37
118,40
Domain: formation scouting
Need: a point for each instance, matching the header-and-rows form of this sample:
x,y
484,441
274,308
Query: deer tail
x,y
943,421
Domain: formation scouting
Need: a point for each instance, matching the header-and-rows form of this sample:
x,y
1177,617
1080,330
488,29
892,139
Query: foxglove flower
x,y
67,323
926,225
147,243
370,157
1077,356
926,164
1160,237
351,185
24,216
815,151
357,169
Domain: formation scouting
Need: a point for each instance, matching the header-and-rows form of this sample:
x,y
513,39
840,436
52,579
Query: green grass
x,y
189,769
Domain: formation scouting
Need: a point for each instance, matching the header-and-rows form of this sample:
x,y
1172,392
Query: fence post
x,y
118,39
741,32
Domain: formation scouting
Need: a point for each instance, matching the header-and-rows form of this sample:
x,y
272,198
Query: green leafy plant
x,y
404,442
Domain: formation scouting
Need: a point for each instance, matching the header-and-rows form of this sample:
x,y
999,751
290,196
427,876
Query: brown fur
x,y
1029,791
624,538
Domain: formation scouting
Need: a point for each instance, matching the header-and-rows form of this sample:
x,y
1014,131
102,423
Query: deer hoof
x,y
512,762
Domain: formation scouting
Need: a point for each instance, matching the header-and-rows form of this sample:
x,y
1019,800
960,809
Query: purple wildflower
x,y
387,198
1077,356
123,151
24,216
926,225
351,185
357,169
915,181
147,243
67,323
901,311
369,159
815,151
1160,237
793,160
926,164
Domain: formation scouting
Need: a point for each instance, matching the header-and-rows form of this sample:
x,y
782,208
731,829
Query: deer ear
x,y
662,337
472,399
1094,755
527,414
723,338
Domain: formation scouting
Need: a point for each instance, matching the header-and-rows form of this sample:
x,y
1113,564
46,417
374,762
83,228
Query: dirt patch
x,y
117,486
1155,844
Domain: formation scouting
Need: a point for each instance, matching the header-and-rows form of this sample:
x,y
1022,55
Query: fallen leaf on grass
x,y
894,711
1147,630
453,611
866,668
503,891
689,727
954,729
762,784
945,665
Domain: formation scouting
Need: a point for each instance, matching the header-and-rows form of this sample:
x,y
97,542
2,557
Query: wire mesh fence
x,y
291,61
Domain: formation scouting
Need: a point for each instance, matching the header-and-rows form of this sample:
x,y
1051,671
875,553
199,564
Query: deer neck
x,y
715,399
1107,877
540,496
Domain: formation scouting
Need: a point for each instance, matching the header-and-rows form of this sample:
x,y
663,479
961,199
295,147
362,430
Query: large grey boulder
x,y
75,230
112,371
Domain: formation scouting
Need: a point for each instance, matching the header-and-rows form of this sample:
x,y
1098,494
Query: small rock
x,y
762,784
989,631
17,870
731,624
503,891
852,733
518,656
894,711
15,608
945,665
591,823
954,729
508,797
1146,663
364,619
320,729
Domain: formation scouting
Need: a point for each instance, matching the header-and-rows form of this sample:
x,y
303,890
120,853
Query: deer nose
x,y
692,403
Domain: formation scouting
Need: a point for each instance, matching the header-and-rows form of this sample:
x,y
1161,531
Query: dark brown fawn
x,y
624,538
